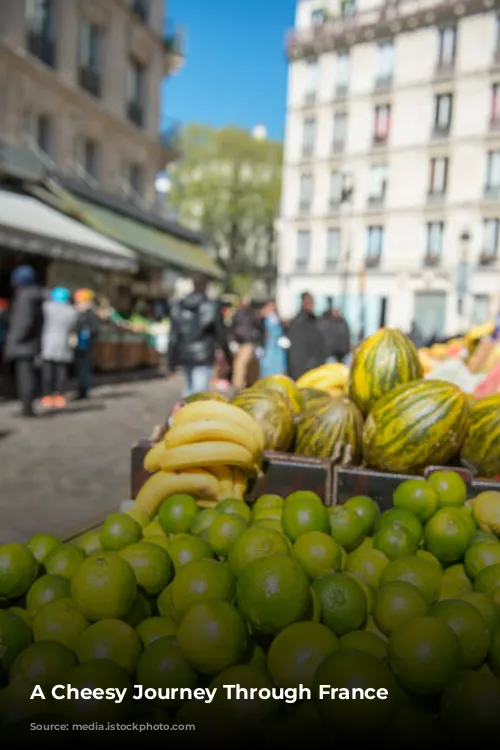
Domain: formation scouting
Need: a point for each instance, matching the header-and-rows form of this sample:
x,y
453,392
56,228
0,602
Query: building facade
x,y
391,189
80,85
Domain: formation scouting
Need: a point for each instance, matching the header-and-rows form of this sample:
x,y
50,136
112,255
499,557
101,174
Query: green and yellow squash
x,y
273,411
331,429
481,447
415,425
284,385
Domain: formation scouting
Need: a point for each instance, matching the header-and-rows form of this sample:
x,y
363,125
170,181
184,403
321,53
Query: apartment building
x,y
391,195
80,86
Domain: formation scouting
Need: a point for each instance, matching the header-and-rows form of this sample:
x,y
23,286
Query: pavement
x,y
66,470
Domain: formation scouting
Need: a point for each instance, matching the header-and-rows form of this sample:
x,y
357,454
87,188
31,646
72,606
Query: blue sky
x,y
235,69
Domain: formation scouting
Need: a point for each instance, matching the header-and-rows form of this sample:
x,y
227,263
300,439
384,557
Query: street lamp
x,y
463,275
346,197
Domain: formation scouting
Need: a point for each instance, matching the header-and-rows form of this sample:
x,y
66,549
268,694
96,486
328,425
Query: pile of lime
x,y
277,595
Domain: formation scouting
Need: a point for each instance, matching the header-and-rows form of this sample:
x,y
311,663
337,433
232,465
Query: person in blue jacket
x,y
275,343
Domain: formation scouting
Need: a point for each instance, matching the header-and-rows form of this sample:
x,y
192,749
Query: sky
x,y
235,70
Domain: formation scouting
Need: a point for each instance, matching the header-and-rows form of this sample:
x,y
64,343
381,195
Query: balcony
x,y
435,198
135,113
309,98
372,261
487,258
307,150
376,201
338,147
90,80
304,208
441,131
431,260
383,83
173,44
331,264
335,204
496,58
301,264
42,47
380,140
140,9
341,90
494,124
444,70
492,192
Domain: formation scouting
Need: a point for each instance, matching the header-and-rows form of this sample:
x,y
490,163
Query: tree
x,y
228,184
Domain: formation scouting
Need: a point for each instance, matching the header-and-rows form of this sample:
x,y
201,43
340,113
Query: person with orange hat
x,y
87,332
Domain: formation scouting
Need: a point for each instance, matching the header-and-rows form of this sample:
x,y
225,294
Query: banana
x,y
219,410
207,454
209,502
240,483
152,459
164,483
200,430
225,477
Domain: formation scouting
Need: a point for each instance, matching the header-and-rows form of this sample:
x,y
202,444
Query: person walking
x,y
196,331
415,335
59,322
273,361
22,343
307,348
336,335
247,336
86,332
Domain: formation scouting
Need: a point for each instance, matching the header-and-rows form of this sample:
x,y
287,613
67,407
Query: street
x,y
66,470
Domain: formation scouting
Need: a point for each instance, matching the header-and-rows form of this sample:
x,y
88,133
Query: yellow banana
x,y
165,483
152,459
209,502
225,477
240,483
207,454
219,410
200,430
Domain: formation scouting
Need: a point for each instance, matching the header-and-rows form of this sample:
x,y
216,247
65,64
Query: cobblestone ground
x,y
62,472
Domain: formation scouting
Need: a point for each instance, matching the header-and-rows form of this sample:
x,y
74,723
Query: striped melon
x,y
331,429
273,411
383,361
284,385
415,425
482,444
204,396
311,397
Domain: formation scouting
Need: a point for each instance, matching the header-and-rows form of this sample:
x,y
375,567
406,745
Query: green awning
x,y
163,249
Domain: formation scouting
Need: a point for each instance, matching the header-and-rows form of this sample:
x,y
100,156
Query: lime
x,y
370,627
494,656
486,511
119,531
153,529
404,518
140,610
417,496
364,640
317,553
483,536
395,541
15,635
89,542
202,522
368,592
346,527
185,548
466,512
455,575
257,657
314,609
488,580
303,511
103,675
110,639
447,535
23,614
489,609
153,628
235,508
44,663
397,602
45,589
254,543
151,564
421,573
41,544
17,707
61,621
178,513
64,560
198,582
470,627
347,669
266,504
450,488
273,592
162,541
479,556
343,602
366,508
249,714
470,709
296,652
162,665
424,655
164,602
368,564
426,555
138,515
450,591
104,586
274,525
212,637
224,531
18,570
268,514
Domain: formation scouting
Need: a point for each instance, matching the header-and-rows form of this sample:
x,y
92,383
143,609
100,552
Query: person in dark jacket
x,y
86,334
22,344
247,333
196,331
307,348
336,335
415,335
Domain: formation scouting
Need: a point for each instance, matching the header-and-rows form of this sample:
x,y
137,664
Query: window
x,y
497,39
438,176
303,243
136,92
374,245
38,133
308,137
493,172
87,157
311,80
135,179
339,131
495,105
385,65
343,72
378,185
480,309
332,247
336,184
318,17
382,123
434,245
40,29
89,57
306,192
491,229
447,47
141,9
442,114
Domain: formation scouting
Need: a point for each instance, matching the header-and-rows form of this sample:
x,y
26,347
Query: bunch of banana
x,y
332,378
209,451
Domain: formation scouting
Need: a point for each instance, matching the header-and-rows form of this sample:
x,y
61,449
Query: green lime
x,y
364,640
15,636
273,592
296,652
110,639
45,664
343,602
470,709
397,602
489,609
366,508
404,518
370,627
153,529
64,560
303,511
177,514
249,714
366,589
23,614
185,548
456,576
103,675
255,542
18,570
202,521
417,496
479,556
224,531
494,656
368,564
317,553
426,555
139,610
450,591
89,542
59,620
395,541
212,636
235,508
450,488
198,582
266,504
346,527
138,515
488,580
466,512
274,525
162,541
470,627
104,586
41,544
45,589
421,573
119,531
153,628
162,665
447,535
483,536
164,602
151,564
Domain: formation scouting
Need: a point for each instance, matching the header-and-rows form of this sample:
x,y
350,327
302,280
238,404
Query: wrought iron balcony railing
x,y
135,113
43,47
90,80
